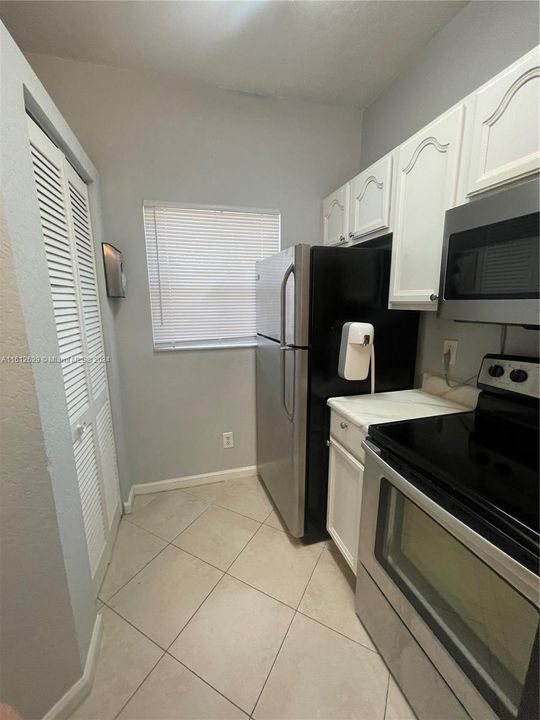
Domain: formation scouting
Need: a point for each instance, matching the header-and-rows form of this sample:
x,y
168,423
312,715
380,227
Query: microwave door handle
x,y
283,343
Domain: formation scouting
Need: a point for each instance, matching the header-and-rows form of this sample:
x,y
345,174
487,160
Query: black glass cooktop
x,y
488,466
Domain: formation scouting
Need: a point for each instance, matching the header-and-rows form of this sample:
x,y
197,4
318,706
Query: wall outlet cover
x,y
450,346
228,440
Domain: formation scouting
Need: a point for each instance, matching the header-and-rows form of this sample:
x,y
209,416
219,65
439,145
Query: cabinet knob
x,y
433,297
343,425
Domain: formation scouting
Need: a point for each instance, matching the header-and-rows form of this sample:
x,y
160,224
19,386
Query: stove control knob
x,y
518,376
496,371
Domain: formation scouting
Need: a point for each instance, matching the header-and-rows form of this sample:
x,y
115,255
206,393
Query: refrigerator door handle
x,y
283,363
283,343
283,306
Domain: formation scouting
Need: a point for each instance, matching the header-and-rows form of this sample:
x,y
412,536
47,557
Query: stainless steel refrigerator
x,y
304,296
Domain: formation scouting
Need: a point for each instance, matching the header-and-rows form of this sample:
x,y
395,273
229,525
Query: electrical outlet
x,y
450,346
228,440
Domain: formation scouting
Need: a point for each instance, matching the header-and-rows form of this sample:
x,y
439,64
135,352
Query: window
x,y
201,269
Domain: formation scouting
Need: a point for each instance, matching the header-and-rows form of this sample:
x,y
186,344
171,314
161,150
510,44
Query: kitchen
x,y
418,160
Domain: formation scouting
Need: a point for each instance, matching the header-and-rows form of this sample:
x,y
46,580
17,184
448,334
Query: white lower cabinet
x,y
426,185
345,478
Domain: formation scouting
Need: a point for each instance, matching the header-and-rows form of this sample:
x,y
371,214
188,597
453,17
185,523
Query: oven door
x,y
472,608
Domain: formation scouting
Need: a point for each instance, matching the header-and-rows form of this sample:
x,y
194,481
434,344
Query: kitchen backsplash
x,y
474,341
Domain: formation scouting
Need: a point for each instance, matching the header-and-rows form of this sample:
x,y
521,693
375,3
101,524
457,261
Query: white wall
x,y
152,140
480,41
47,603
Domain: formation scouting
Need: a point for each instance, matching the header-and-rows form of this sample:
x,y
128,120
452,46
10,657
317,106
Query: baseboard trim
x,y
186,482
80,689
107,551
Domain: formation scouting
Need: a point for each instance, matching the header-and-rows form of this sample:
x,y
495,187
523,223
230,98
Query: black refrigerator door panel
x,y
349,284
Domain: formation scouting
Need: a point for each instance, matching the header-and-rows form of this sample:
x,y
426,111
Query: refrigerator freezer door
x,y
283,287
281,428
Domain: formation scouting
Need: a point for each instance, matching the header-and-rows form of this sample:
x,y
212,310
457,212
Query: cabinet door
x,y
370,199
505,144
336,217
426,187
345,477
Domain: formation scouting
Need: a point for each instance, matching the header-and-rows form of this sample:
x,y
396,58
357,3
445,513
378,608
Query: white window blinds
x,y
201,270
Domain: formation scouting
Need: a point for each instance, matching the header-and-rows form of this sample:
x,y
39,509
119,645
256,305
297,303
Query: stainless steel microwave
x,y
490,269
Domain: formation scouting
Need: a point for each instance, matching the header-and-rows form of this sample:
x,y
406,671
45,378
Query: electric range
x,y
449,548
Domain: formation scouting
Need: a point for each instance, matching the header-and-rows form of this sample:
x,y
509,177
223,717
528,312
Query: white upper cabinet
x,y
336,217
370,193
426,183
505,137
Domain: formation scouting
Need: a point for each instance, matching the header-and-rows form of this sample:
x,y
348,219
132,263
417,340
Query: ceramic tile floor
x,y
212,611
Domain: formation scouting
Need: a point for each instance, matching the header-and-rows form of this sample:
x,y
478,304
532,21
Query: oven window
x,y
486,625
497,261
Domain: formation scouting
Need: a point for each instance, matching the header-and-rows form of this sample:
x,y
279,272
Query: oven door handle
x,y
515,574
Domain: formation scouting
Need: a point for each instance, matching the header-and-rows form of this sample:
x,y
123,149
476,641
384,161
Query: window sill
x,y
205,346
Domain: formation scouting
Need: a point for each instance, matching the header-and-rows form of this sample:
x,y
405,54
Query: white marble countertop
x,y
435,398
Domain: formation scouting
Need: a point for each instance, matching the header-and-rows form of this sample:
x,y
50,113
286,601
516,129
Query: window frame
x,y
212,344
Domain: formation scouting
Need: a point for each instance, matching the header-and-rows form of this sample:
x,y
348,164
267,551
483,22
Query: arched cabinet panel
x,y
369,200
506,127
336,217
427,173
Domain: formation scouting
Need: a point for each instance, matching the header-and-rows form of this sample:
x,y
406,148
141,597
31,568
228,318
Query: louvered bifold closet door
x,y
74,299
93,338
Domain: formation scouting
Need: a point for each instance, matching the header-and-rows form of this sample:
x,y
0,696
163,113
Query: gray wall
x,y
479,42
47,608
152,140
38,644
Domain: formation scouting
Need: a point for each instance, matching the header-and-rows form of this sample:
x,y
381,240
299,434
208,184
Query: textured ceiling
x,y
343,53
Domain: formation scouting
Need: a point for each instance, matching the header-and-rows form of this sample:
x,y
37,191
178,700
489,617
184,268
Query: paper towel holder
x,y
356,352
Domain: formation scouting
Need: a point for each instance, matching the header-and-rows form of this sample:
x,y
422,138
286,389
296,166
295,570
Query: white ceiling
x,y
336,52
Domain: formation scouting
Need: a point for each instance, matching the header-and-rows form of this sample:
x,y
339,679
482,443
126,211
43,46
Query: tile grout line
x,y
207,683
140,527
325,549
284,637
214,503
105,602
290,607
387,693
328,627
135,628
295,610
184,626
309,580
251,714
168,542
226,572
240,551
145,678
